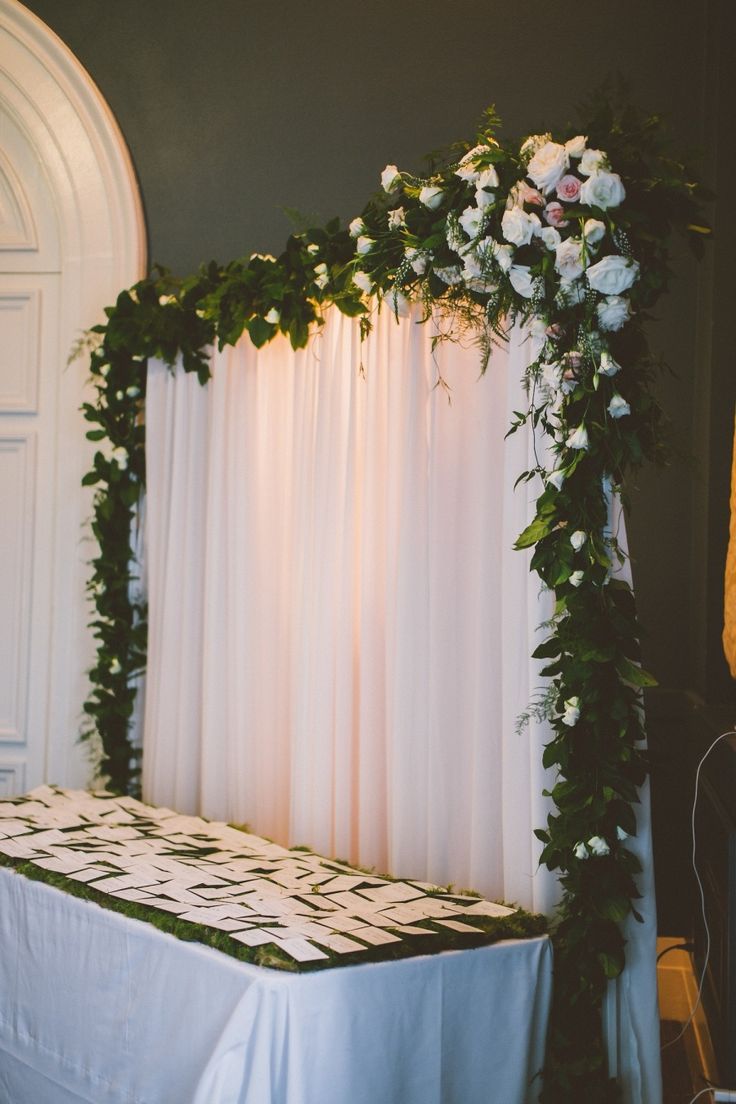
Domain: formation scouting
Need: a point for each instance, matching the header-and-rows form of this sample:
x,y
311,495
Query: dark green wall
x,y
236,109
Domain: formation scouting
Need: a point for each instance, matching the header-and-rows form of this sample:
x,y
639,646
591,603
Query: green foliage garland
x,y
568,236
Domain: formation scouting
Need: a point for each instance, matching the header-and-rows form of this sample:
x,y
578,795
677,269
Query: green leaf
x,y
634,674
539,528
260,331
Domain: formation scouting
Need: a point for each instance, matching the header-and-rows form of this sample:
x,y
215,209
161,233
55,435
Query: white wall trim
x,y
89,172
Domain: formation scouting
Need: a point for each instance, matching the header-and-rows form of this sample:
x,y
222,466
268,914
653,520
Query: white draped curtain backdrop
x,y
340,630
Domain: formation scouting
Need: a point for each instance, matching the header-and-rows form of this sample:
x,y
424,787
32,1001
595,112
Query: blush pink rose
x,y
554,214
568,188
530,195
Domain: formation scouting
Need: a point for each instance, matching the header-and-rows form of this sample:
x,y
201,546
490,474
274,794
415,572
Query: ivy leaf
x,y
634,674
259,330
539,528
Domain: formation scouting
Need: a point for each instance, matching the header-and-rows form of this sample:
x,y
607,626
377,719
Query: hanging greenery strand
x,y
569,237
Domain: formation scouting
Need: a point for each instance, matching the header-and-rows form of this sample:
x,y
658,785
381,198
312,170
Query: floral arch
x,y
568,236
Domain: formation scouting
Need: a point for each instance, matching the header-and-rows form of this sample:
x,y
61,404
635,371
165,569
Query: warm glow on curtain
x,y
340,630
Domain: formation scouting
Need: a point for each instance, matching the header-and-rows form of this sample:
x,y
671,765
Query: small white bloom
x,y
608,366
550,237
578,438
598,846
594,230
618,406
450,275
119,456
390,177
548,165
273,317
431,197
603,189
522,282
504,254
612,275
551,376
557,478
487,181
581,851
613,312
262,257
592,160
576,578
134,295
569,260
364,244
571,716
417,260
104,370
119,396
356,228
518,227
578,539
396,218
363,281
467,168
570,293
471,220
576,146
534,142
115,667
165,300
313,249
454,236
321,275
397,302
620,833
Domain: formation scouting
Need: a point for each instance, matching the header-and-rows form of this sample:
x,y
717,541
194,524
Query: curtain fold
x,y
340,627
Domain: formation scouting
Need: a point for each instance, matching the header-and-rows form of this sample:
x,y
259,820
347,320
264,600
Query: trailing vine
x,y
568,236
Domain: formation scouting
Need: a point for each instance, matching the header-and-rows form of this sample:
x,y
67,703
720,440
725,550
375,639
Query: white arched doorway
x,y
71,235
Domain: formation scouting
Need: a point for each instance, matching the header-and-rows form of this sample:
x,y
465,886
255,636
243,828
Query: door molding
x,y
89,172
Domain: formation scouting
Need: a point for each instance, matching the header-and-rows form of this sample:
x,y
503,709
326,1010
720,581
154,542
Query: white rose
x,y
593,231
313,249
618,406
576,146
397,302
548,165
119,456
518,227
363,281
608,366
115,667
396,218
504,254
571,715
417,260
578,539
578,439
581,851
569,259
598,846
474,276
273,316
471,220
522,282
390,177
613,312
356,227
431,197
612,275
576,578
602,189
364,244
550,236
132,392
592,161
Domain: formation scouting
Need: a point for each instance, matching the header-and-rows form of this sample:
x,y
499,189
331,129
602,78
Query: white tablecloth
x,y
98,1008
